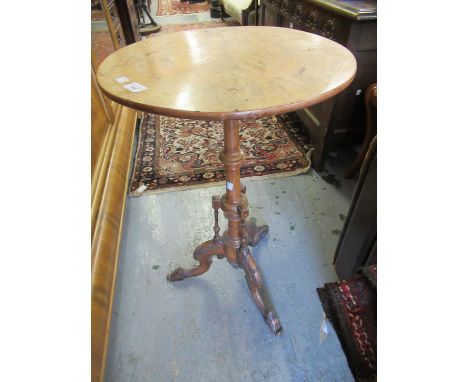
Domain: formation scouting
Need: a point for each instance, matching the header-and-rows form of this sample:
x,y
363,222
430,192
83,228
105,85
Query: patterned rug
x,y
351,306
183,153
175,7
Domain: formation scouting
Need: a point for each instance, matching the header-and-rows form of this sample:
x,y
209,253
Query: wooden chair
x,y
371,128
357,245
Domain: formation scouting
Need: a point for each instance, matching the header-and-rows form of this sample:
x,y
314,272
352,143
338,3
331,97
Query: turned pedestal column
x,y
232,157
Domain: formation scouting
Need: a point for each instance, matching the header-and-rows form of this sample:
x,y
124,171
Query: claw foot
x,y
256,233
274,323
177,275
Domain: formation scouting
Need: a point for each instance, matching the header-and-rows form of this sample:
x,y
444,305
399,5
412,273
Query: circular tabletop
x,y
227,73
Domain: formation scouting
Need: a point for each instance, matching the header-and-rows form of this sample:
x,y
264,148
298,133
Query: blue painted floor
x,y
208,328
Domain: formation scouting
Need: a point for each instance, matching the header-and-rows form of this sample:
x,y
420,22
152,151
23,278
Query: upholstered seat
x,y
238,9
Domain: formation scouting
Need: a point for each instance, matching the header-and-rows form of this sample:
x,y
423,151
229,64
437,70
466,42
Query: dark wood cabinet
x,y
352,24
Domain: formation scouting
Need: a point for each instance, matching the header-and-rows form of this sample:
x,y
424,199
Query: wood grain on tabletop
x,y
228,73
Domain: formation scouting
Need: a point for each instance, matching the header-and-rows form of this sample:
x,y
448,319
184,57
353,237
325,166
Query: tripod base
x,y
234,243
252,235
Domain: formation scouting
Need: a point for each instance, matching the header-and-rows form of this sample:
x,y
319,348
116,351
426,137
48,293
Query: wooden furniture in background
x,y
112,134
129,13
141,10
240,10
122,19
113,23
357,245
371,128
352,24
192,74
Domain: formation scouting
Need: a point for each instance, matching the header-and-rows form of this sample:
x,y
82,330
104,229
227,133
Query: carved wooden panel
x,y
306,17
328,29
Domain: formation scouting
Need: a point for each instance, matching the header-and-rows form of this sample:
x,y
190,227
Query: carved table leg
x,y
204,252
254,233
254,278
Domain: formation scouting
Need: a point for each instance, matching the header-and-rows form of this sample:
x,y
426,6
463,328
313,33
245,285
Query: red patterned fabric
x,y
174,152
174,7
351,306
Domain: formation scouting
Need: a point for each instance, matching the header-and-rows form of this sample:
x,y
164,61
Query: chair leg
x,y
370,133
360,157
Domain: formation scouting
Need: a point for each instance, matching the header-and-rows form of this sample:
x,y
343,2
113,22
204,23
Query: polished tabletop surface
x,y
227,73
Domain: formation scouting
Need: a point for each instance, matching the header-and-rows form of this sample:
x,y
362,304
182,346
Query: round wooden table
x,y
228,74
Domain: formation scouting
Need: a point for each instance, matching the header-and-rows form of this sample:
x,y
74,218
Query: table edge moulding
x,y
190,39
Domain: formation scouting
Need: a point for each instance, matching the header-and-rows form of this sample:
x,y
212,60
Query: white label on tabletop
x,y
135,87
229,186
121,80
